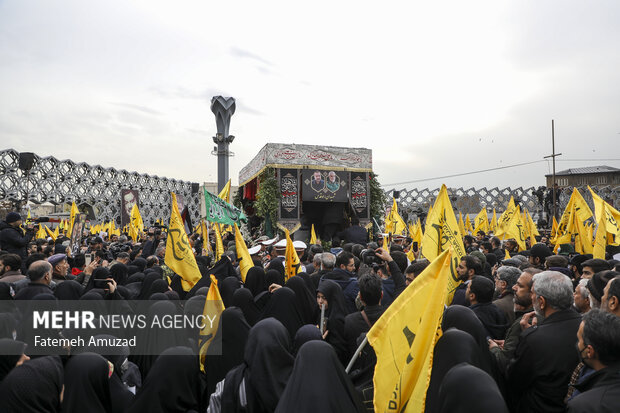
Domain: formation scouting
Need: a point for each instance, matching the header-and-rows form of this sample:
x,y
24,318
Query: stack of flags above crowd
x,y
577,224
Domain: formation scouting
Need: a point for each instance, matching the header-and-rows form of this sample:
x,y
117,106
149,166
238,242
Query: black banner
x,y
360,197
289,193
324,186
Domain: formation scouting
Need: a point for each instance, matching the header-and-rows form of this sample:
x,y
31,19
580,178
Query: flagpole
x,y
356,355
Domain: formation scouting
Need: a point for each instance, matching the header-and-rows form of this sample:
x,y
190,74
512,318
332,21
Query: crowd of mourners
x,y
536,332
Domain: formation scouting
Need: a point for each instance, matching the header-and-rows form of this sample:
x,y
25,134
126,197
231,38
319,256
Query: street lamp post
x,y
223,109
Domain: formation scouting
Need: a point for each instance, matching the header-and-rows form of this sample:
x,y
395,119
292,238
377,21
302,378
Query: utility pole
x,y
553,155
223,109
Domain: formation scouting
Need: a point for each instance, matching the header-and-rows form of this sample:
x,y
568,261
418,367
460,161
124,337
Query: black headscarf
x,y
158,297
267,365
5,292
10,353
466,388
140,263
283,306
119,273
464,319
306,333
8,325
227,288
226,349
172,385
69,290
306,299
273,276
336,312
33,387
276,264
158,286
87,384
334,392
255,280
120,395
453,347
309,284
158,339
243,299
135,277
145,290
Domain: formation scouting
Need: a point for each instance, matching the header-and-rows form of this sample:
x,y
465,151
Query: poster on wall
x,y
289,193
324,185
129,198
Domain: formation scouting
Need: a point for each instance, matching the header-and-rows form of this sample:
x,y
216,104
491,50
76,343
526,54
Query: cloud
x,y
140,108
244,54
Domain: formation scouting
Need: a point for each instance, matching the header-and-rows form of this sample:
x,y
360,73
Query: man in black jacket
x,y
360,322
12,238
344,276
539,374
598,344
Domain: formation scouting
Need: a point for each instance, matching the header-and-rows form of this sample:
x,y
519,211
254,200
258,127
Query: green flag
x,y
222,212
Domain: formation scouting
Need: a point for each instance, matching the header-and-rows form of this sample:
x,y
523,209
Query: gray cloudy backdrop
x,y
433,88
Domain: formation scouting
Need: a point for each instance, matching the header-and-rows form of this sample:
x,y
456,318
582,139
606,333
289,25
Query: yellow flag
x,y
312,236
73,214
493,223
505,218
214,306
417,235
600,242
612,215
292,265
41,232
554,229
481,222
404,338
179,255
441,234
468,226
243,255
384,244
219,244
53,234
394,224
461,226
225,192
516,229
56,233
576,211
583,244
531,230
506,255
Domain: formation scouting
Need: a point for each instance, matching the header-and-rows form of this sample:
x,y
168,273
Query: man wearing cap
x,y
60,272
12,238
538,253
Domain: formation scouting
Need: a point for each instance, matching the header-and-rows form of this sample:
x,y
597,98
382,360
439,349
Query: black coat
x,y
355,325
356,235
600,392
14,241
538,377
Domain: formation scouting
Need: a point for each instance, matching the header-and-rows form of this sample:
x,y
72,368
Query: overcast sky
x,y
434,88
